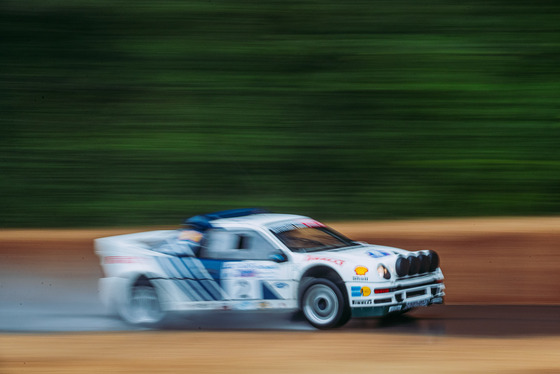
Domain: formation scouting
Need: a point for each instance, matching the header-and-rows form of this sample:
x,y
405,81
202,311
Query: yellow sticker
x,y
361,270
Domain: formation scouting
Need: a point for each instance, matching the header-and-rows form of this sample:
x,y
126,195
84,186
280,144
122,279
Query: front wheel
x,y
323,304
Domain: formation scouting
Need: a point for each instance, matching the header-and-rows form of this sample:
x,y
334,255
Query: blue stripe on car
x,y
205,280
167,265
268,293
193,279
177,270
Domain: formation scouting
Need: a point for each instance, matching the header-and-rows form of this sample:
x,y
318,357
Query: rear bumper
x,y
111,290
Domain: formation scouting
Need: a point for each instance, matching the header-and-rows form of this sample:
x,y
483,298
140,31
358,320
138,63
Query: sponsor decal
x,y
362,302
358,291
296,225
311,223
360,273
249,266
264,305
378,254
327,259
248,270
281,285
121,260
361,270
247,273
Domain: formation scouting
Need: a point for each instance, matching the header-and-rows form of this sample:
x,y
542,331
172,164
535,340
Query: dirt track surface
x,y
273,352
489,261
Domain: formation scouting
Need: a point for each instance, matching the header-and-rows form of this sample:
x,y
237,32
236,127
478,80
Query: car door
x,y
251,271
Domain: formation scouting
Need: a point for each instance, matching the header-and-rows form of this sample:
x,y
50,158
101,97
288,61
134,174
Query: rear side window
x,y
236,245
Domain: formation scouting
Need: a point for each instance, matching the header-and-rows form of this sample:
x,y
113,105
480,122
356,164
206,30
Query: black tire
x,y
323,304
142,306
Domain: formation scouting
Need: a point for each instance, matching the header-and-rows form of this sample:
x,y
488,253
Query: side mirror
x,y
278,257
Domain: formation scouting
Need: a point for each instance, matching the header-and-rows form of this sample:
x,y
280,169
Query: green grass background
x,y
145,112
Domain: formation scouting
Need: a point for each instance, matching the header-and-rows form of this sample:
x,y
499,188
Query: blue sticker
x,y
378,254
281,285
356,291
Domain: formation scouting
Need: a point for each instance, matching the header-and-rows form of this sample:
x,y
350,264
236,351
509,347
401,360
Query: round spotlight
x,y
402,266
424,263
434,261
414,265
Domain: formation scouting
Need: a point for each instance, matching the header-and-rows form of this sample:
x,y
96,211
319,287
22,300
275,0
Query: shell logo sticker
x,y
361,270
365,291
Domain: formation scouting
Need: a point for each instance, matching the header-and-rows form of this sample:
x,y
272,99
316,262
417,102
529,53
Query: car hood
x,y
367,252
359,263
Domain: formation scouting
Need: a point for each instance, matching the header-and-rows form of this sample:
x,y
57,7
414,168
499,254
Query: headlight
x,y
383,272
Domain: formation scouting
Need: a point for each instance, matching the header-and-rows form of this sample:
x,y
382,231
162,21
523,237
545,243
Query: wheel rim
x,y
144,305
320,304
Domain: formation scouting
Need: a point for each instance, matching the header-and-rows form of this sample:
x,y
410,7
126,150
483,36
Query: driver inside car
x,y
187,242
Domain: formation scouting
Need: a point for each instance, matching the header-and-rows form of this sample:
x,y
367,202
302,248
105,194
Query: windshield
x,y
312,239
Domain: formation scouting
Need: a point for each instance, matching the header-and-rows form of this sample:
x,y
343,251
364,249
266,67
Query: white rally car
x,y
249,259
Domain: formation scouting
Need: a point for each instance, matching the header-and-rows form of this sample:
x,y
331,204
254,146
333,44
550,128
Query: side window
x,y
236,245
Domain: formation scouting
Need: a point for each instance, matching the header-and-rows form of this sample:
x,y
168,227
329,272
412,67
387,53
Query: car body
x,y
249,259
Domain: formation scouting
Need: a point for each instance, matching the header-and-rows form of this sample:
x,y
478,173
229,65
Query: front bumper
x,y
380,311
394,299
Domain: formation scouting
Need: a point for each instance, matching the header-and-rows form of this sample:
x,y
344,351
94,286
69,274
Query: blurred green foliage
x,y
137,112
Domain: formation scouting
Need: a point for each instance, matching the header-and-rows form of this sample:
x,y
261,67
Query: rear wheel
x,y
142,306
323,304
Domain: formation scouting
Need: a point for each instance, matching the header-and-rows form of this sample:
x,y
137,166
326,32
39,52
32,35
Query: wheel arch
x,y
139,280
142,278
321,271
